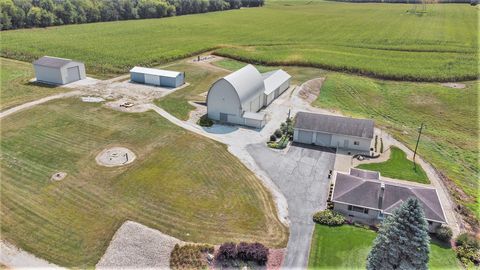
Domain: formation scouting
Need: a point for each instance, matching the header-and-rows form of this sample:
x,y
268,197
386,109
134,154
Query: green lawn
x,y
179,184
200,79
15,88
398,167
347,247
375,39
449,141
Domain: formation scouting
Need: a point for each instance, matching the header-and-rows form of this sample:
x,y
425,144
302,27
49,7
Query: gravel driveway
x,y
301,175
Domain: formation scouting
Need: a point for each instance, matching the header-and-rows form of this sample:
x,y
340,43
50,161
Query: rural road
x,y
30,104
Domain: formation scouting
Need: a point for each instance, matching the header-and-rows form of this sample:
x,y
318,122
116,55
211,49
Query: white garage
x,y
276,82
333,131
157,77
58,71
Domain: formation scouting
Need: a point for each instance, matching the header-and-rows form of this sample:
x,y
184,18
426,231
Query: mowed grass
x,y
375,39
347,247
449,141
15,88
398,167
200,77
181,184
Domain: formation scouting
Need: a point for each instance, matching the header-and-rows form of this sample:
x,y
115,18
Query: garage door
x,y
73,74
305,136
152,79
323,139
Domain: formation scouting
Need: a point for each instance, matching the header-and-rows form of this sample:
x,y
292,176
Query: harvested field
x,y
182,184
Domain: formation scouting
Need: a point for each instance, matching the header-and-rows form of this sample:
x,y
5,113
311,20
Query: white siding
x,y
48,75
363,143
222,98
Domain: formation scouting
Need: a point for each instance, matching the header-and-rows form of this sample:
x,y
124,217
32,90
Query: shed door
x,y
305,136
73,74
323,139
152,79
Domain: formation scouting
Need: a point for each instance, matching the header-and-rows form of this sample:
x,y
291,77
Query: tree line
x,y
42,13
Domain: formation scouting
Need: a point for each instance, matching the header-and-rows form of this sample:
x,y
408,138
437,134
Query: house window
x,y
430,222
357,209
356,143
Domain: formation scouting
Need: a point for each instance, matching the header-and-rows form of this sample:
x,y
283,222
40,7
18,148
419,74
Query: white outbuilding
x,y
157,77
276,82
58,71
333,131
238,97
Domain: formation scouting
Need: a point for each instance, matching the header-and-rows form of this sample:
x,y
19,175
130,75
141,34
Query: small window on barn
x,y
356,143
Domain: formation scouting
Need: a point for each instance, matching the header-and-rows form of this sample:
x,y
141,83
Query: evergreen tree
x,y
402,241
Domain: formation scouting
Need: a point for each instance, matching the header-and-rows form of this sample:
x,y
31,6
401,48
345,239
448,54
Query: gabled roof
x,y
154,71
364,173
353,190
274,79
54,62
335,124
247,82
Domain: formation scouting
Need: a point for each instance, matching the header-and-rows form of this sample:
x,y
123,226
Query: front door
x,y
223,117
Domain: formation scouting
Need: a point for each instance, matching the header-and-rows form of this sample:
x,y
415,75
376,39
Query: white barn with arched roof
x,y
238,97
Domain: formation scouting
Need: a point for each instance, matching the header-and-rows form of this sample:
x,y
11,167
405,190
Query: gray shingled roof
x,y
350,189
54,62
364,174
335,124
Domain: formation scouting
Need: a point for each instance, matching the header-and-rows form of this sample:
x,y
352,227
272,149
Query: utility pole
x,y
416,146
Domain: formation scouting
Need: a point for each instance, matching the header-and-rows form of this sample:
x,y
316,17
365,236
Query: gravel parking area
x,y
301,174
137,246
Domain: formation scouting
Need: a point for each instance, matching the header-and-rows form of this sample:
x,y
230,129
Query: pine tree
x,y
402,241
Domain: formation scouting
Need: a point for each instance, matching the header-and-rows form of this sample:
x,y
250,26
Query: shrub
x,y
278,133
283,127
468,249
273,138
189,256
381,145
444,234
204,121
227,251
376,142
329,217
466,239
255,252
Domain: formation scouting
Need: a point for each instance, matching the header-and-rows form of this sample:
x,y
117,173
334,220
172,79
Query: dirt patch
x,y
137,246
58,176
310,90
115,156
454,85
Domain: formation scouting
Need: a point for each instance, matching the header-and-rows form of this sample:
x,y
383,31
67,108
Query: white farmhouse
x,y
58,71
333,131
238,97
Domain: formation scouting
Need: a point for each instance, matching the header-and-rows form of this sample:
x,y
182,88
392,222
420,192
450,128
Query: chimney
x,y
380,197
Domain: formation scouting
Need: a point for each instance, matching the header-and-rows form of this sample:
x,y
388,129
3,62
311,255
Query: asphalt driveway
x,y
301,174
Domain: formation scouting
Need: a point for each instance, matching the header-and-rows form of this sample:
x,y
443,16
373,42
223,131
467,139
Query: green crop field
x,y
347,247
15,88
374,39
178,184
398,167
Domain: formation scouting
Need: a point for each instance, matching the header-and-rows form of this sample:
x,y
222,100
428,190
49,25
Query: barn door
x,y
73,74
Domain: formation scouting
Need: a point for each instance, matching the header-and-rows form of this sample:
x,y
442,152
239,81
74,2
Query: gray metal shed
x,y
58,71
158,77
